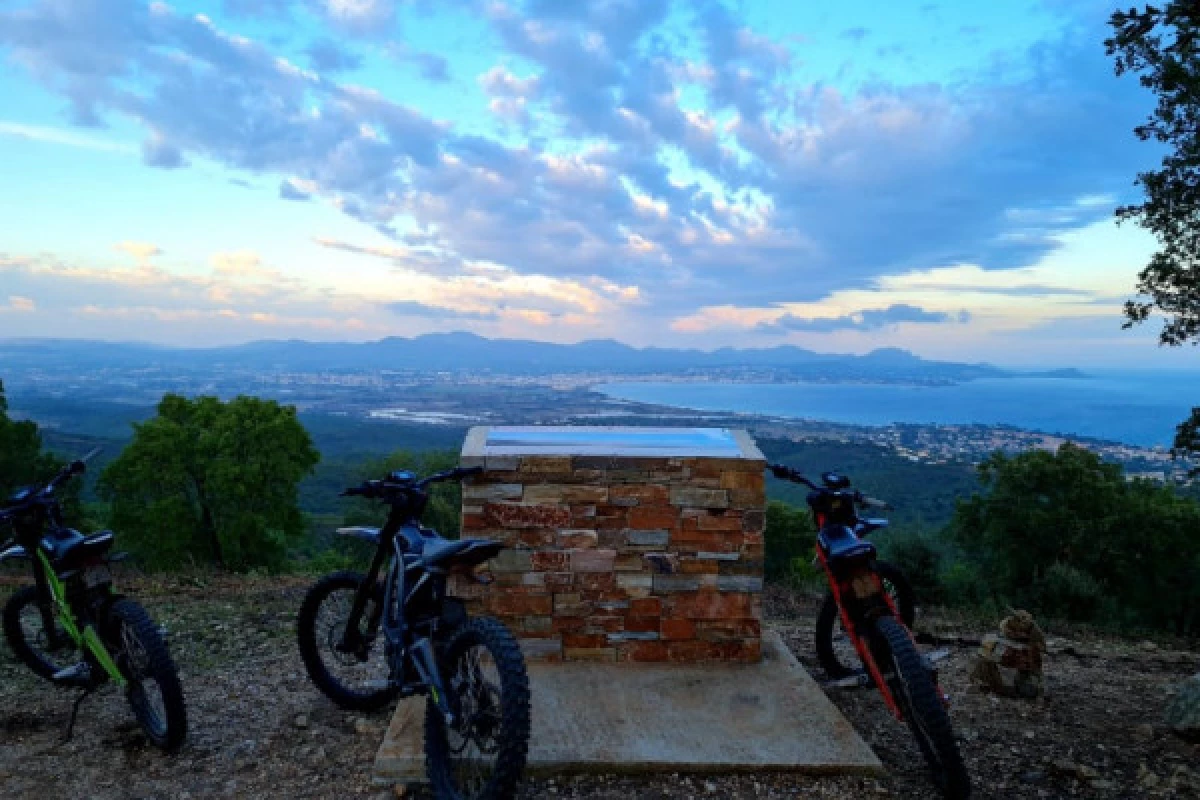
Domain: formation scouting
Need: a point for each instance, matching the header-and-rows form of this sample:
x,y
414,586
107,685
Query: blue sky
x,y
935,175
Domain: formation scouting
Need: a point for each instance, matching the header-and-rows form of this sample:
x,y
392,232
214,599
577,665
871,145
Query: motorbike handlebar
x,y
376,489
786,473
874,502
456,474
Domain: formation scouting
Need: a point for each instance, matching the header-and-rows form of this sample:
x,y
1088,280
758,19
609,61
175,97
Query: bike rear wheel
x,y
359,680
153,690
835,650
913,687
483,755
26,634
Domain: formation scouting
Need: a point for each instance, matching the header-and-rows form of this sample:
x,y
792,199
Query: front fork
x,y
861,640
88,640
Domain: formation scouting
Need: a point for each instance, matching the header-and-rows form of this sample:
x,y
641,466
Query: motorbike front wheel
x,y
357,680
481,756
153,689
913,687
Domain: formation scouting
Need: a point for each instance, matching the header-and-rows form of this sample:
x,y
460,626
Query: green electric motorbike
x,y
73,628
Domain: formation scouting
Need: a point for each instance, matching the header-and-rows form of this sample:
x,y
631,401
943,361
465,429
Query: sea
x,y
1134,407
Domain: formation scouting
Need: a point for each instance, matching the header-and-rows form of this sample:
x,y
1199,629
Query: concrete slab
x,y
633,718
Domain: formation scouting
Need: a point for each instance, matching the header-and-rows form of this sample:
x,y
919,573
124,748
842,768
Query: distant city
x,y
58,383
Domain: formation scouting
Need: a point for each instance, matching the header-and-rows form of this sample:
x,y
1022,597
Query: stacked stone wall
x,y
644,559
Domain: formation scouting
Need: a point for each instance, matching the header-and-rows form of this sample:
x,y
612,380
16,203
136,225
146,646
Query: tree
x,y
1162,46
22,461
1065,534
209,481
789,542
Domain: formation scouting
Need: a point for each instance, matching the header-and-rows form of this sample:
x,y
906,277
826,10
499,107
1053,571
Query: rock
x,y
1148,646
1183,714
363,726
1144,731
301,721
1033,776
400,790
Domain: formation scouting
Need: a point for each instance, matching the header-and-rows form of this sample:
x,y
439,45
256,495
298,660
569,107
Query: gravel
x,y
259,729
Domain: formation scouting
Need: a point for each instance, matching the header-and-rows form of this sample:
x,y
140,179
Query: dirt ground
x,y
259,729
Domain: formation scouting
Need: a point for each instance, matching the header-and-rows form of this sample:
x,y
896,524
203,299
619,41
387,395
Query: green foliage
x,y
1066,592
22,461
789,545
1161,45
920,557
923,494
445,499
1064,533
210,481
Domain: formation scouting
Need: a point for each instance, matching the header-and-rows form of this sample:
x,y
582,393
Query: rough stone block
x,y
699,498
574,538
648,518
491,492
555,494
739,583
590,653
638,538
593,560
676,583
516,515
513,560
549,649
633,636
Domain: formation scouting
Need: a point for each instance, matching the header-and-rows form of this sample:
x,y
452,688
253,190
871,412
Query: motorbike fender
x,y
15,552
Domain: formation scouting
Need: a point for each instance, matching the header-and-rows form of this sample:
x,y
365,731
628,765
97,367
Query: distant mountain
x,y
466,351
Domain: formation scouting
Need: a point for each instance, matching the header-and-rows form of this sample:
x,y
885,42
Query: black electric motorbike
x,y
73,628
365,641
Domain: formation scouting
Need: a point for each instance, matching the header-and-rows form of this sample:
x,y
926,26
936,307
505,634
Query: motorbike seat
x,y
69,549
839,543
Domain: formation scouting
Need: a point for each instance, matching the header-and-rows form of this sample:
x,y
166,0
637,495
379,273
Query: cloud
x,y
865,320
409,308
432,67
141,252
326,56
292,189
41,133
158,152
18,305
709,174
371,17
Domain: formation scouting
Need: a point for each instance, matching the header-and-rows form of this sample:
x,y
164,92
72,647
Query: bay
x,y
1135,407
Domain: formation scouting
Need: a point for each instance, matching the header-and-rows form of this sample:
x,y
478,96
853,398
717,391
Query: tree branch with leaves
x,y
1161,45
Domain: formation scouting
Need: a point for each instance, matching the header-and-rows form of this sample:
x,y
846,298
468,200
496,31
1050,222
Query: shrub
x,y
920,558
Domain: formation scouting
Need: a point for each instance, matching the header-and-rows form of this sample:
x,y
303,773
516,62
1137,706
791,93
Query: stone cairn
x,y
623,558
1010,663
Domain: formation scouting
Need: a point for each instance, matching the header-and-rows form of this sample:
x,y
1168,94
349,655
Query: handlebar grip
x,y
353,491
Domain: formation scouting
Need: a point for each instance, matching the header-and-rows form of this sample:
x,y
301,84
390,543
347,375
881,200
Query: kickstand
x,y
74,713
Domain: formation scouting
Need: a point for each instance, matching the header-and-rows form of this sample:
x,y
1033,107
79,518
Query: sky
x,y
939,176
